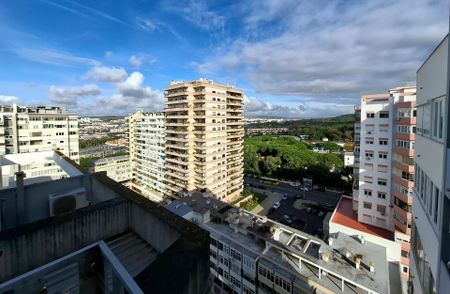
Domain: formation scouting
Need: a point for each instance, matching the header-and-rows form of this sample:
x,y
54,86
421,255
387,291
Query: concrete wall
x,y
36,199
36,244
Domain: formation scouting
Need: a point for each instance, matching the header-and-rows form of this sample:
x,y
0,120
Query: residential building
x,y
383,174
430,242
42,128
36,167
349,158
252,254
147,153
101,238
117,168
204,139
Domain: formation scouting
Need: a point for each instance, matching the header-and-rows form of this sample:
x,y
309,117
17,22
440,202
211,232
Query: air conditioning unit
x,y
60,203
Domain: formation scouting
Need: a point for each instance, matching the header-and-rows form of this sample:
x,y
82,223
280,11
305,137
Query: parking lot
x,y
304,213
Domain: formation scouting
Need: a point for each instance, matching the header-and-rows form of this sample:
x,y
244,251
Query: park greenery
x,y
96,141
339,128
288,157
252,202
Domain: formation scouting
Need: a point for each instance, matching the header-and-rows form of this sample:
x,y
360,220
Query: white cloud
x,y
8,99
71,95
255,107
139,59
147,24
106,74
330,51
53,57
197,13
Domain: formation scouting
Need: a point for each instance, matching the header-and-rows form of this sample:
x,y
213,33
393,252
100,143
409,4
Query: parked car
x,y
276,205
294,184
285,196
287,219
304,189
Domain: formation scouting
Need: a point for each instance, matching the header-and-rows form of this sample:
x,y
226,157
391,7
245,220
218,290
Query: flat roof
x,y
344,215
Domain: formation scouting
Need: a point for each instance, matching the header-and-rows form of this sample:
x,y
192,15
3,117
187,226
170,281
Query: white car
x,y
276,205
304,189
294,184
287,219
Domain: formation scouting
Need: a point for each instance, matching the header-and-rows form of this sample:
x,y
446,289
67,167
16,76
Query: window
x,y
382,182
382,155
368,192
381,209
368,180
404,253
384,114
369,155
382,195
369,141
367,205
383,141
370,114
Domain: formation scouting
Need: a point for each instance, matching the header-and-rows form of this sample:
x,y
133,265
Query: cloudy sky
x,y
293,58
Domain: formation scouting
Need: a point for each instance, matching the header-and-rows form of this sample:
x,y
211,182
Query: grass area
x,y
254,201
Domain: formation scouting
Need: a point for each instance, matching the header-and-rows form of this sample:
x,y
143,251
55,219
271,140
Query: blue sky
x,y
293,58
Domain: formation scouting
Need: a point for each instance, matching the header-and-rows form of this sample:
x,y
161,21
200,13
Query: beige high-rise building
x,y
204,139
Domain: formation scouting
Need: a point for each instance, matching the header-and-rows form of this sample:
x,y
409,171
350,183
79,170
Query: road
x,y
323,198
304,221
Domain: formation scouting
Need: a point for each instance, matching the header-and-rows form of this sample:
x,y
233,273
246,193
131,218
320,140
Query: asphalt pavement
x,y
302,220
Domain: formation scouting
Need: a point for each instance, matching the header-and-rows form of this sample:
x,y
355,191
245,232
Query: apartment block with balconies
x,y
43,128
147,154
204,139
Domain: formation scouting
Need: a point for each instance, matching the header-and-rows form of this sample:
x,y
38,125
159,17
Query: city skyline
x,y
293,59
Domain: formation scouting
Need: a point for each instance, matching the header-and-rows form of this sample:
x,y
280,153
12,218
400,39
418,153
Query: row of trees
x,y
288,158
339,128
96,141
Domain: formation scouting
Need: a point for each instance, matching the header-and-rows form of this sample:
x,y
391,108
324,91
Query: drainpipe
x,y
20,197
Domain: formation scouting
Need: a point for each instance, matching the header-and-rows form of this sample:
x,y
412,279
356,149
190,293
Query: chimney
x,y
357,261
330,241
20,191
361,239
372,266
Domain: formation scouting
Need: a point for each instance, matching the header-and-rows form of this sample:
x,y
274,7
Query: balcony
x,y
405,215
404,152
405,198
404,167
407,121
405,137
403,182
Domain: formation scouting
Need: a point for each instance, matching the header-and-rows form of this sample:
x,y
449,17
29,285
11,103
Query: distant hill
x,y
326,121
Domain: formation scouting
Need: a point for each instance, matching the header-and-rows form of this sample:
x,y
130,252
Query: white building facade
x,y
430,242
32,129
117,168
147,153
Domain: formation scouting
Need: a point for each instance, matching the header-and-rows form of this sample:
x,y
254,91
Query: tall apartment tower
x,y
204,139
384,171
31,129
430,242
147,153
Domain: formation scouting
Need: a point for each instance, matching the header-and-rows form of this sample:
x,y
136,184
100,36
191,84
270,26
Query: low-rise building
x,y
117,168
36,167
349,158
252,254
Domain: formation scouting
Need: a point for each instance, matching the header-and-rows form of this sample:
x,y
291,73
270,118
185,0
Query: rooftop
x,y
345,215
260,237
38,167
127,239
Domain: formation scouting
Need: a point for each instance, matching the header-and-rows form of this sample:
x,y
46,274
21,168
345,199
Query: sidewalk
x,y
263,207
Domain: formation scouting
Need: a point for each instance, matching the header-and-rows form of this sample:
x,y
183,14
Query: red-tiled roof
x,y
344,215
